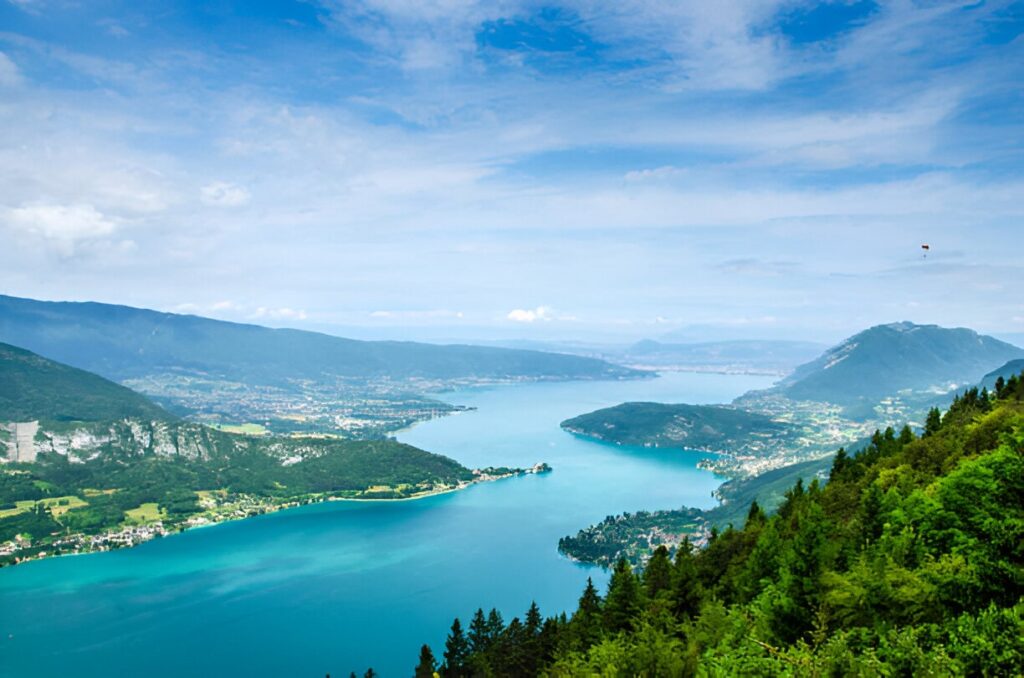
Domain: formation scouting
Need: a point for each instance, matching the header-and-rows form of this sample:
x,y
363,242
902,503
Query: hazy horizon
x,y
519,171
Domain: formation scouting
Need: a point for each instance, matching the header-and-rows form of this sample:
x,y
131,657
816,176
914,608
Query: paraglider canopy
x,y
926,247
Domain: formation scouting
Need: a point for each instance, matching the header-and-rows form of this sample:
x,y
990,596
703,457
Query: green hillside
x,y
32,387
120,342
697,427
172,466
910,561
887,359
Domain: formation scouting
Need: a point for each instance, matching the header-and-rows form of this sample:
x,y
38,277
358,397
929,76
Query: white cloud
x,y
524,315
9,73
224,194
283,313
63,225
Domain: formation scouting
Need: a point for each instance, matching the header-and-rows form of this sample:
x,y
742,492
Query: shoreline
x,y
156,530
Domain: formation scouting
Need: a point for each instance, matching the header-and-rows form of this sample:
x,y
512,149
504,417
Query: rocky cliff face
x,y
84,441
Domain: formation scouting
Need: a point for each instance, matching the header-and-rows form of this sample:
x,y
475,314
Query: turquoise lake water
x,y
341,586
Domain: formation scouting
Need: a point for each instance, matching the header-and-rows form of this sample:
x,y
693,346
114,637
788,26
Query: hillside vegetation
x,y
112,469
106,458
32,387
910,561
695,427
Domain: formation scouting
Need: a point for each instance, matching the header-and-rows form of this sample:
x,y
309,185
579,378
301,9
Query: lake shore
x,y
246,507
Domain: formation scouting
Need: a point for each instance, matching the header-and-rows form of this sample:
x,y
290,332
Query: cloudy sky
x,y
450,168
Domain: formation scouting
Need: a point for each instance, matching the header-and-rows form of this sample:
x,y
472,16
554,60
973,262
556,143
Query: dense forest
x,y
909,561
693,427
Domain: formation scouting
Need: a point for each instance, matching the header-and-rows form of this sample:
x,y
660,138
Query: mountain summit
x,y
888,359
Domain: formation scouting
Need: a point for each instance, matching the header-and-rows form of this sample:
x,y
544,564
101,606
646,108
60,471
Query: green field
x,y
145,513
57,505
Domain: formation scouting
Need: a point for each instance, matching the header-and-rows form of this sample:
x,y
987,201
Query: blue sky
x,y
585,170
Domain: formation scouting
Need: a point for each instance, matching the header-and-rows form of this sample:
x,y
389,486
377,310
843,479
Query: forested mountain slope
x,y
910,561
33,387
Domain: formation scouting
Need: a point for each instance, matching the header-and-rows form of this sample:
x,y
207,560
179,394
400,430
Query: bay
x,y
340,586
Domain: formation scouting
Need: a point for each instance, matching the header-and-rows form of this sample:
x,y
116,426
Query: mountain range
x,y
121,342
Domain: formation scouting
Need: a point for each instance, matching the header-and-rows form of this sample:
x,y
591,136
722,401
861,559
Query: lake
x,y
340,586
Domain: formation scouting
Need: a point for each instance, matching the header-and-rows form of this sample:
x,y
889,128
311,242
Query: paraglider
x,y
926,247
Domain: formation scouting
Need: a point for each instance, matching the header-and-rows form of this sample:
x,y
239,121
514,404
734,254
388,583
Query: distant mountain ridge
x,y
33,387
887,359
121,342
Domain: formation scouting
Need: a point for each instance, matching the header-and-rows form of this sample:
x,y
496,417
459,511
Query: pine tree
x,y
871,514
934,422
622,604
532,640
427,665
547,641
456,649
513,651
658,573
755,515
1000,386
495,625
686,587
586,624
840,463
533,620
479,633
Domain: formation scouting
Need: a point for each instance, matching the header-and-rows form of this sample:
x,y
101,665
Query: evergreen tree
x,y
587,624
839,463
1000,385
479,633
933,423
658,573
456,650
495,625
686,587
427,665
532,640
802,564
871,514
514,651
755,515
533,620
622,604
547,641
